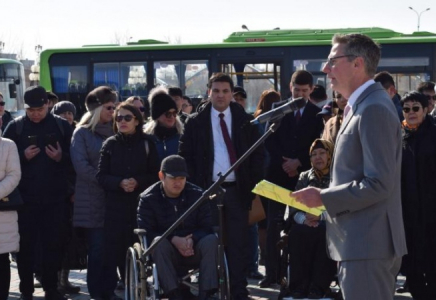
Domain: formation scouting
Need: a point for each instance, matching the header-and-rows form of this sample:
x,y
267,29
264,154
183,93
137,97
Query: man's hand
x,y
312,220
31,152
185,245
129,184
309,196
290,166
54,153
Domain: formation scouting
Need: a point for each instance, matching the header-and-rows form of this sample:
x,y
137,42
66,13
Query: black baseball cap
x,y
35,96
241,91
174,166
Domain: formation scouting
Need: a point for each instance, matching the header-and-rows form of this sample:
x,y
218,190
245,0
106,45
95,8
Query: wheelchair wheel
x,y
224,281
135,274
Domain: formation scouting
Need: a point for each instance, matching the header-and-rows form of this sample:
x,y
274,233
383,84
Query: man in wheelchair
x,y
192,244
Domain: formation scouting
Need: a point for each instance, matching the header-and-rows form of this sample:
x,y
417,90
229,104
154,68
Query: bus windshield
x,y
12,85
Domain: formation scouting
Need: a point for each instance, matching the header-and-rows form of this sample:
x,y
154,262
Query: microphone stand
x,y
215,190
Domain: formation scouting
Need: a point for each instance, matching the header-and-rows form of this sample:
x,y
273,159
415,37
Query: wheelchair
x,y
142,279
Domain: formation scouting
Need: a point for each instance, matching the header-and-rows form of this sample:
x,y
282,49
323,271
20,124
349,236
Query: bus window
x,y
12,85
107,74
133,79
69,79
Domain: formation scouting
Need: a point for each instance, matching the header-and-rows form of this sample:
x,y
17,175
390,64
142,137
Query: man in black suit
x,y
213,139
288,149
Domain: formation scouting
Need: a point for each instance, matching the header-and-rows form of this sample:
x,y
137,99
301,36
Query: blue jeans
x,y
96,275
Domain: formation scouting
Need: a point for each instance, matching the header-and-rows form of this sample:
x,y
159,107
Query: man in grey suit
x,y
365,232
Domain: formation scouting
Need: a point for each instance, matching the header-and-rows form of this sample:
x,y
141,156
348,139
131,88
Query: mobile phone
x,y
33,140
50,139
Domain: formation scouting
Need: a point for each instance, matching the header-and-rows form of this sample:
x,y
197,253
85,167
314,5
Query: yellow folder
x,y
277,193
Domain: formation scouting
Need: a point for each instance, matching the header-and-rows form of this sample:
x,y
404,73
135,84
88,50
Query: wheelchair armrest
x,y
139,231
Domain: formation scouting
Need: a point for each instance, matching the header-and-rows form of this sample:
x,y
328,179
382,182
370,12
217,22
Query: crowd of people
x,y
142,163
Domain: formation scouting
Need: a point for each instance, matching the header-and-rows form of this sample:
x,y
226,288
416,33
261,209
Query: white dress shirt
x,y
221,159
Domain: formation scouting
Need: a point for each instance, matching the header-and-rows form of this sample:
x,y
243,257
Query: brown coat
x,y
331,129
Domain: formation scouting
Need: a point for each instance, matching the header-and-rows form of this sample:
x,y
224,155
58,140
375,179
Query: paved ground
x,y
79,278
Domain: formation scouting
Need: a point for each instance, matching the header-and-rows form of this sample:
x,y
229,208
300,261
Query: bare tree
x,y
121,38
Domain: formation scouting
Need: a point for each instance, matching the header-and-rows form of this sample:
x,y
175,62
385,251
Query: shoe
x,y
187,294
37,281
255,275
266,282
299,293
54,295
175,294
205,295
403,289
315,293
64,286
120,285
26,297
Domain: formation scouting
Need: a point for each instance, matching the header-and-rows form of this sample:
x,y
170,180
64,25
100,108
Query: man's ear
x,y
161,175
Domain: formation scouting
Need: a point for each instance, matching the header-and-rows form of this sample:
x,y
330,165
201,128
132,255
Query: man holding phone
x,y
43,142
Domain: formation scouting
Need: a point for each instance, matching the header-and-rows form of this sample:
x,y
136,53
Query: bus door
x,y
254,78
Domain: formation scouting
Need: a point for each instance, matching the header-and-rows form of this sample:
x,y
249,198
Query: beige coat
x,y
10,174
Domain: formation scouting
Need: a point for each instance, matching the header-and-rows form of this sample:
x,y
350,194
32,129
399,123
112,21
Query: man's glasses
x,y
332,60
2,103
120,118
430,97
170,114
142,109
414,108
110,107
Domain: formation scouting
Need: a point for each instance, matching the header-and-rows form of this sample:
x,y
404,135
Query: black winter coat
x,y
292,140
124,157
43,180
196,146
418,193
156,213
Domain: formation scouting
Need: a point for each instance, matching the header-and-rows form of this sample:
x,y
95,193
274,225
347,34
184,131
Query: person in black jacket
x,y
418,179
212,141
43,142
127,166
192,243
288,150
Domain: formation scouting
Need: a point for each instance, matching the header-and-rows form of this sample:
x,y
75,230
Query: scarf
x,y
328,146
104,130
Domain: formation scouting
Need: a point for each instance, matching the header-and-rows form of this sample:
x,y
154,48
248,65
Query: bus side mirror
x,y
12,90
17,81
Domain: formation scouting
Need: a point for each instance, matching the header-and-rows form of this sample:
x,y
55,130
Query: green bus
x,y
12,85
257,60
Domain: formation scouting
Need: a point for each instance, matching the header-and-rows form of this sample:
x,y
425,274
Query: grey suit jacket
x,y
363,200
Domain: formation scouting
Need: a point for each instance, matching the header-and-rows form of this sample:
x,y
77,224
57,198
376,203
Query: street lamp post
x,y
2,46
34,75
419,14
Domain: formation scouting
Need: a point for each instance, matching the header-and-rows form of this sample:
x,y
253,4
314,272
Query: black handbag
x,y
13,201
76,254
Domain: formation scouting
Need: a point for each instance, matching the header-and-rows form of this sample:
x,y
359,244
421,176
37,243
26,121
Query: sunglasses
x,y
414,108
170,114
142,109
2,103
430,97
110,107
127,118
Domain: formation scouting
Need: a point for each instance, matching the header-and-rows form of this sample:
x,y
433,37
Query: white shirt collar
x,y
216,113
356,94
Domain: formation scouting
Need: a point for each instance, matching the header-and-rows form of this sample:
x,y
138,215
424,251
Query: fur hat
x,y
99,96
161,103
35,96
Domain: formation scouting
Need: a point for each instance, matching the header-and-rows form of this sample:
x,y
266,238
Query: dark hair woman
x,y
128,165
418,194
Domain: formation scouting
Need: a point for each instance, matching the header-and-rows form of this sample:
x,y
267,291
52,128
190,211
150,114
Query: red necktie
x,y
297,116
227,140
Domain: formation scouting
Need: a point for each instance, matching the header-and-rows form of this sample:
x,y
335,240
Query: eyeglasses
x,y
110,107
430,97
331,61
170,114
142,108
414,108
120,118
2,103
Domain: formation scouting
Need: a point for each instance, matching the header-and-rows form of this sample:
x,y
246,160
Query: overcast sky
x,y
60,23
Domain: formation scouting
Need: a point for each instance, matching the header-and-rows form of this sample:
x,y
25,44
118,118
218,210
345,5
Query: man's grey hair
x,y
360,45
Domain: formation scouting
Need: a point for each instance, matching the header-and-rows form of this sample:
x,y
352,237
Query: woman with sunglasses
x,y
144,107
165,127
93,129
418,194
128,165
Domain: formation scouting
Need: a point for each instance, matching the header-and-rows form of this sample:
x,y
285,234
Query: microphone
x,y
279,112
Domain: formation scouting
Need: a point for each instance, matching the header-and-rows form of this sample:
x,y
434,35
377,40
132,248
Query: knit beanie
x,y
99,96
63,106
161,103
